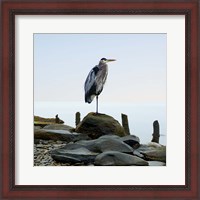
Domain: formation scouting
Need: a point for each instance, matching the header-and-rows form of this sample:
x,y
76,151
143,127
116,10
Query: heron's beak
x,y
110,60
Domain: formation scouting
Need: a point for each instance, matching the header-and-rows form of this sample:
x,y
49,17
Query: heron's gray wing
x,y
90,80
90,85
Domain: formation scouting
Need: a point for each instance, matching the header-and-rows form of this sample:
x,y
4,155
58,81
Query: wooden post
x,y
125,123
156,132
78,118
57,120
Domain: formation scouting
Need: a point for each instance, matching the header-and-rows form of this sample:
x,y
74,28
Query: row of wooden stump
x,y
156,129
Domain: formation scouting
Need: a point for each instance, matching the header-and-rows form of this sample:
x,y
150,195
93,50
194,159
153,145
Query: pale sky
x,y
63,61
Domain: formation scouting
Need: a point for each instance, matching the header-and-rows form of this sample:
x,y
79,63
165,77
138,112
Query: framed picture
x,y
50,53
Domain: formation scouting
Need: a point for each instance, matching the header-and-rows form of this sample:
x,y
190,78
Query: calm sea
x,y
140,116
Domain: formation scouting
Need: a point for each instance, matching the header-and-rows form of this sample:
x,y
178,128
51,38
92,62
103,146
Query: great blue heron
x,y
96,80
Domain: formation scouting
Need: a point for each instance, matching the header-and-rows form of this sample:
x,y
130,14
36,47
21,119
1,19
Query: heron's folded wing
x,y
90,80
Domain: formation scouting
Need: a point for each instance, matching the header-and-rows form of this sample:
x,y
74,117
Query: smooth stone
x,y
155,155
72,146
106,144
156,163
65,159
144,147
154,144
114,158
131,140
63,135
109,137
59,127
138,154
97,125
73,156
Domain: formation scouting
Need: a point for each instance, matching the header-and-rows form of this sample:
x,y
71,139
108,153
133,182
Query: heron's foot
x,y
97,114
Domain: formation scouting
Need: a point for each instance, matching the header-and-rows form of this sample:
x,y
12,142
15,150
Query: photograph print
x,y
100,99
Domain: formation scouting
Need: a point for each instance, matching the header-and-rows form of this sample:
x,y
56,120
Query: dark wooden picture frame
x,y
11,8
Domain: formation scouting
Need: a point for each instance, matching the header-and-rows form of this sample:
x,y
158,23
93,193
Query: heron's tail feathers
x,y
89,98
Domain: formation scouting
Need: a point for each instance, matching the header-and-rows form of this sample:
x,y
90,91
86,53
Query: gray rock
x,y
154,145
106,144
114,158
63,135
131,140
110,137
153,152
65,158
156,163
144,147
79,155
59,127
96,125
158,154
138,154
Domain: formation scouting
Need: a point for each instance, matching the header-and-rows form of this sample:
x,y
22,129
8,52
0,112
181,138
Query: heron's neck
x,y
103,66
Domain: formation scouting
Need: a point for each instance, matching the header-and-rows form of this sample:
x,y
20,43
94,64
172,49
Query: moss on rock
x,y
41,121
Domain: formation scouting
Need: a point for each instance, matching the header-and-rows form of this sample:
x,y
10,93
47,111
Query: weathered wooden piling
x,y
57,120
78,118
156,132
125,123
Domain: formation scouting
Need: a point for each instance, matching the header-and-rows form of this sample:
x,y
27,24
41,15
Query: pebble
x,y
41,153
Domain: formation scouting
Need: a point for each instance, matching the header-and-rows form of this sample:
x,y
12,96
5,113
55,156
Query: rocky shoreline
x,y
42,156
98,140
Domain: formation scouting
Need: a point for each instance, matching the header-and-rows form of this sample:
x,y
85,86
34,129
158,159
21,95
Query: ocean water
x,y
140,116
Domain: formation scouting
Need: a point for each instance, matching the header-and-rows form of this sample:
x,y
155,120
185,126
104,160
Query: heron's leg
x,y
97,104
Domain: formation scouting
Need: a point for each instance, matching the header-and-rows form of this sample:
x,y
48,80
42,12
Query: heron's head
x,y
105,60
